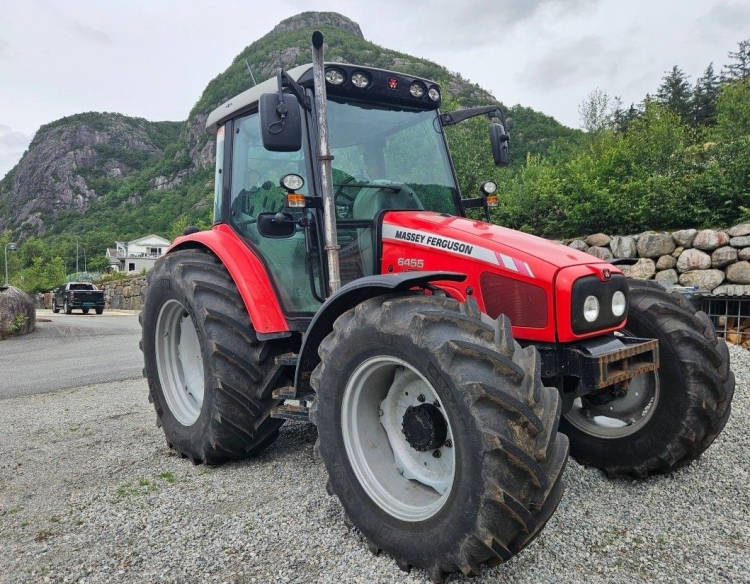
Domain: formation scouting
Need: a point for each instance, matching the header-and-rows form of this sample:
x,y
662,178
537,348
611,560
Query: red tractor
x,y
343,284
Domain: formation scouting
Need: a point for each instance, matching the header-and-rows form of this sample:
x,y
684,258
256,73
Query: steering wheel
x,y
344,200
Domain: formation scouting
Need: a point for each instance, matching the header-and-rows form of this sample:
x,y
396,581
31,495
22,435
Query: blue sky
x,y
153,59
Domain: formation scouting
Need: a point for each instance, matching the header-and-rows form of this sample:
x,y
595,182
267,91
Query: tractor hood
x,y
483,240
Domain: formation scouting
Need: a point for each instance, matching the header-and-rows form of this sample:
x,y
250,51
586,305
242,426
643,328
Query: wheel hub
x,y
424,427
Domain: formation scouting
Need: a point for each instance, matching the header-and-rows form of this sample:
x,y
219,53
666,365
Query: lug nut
x,y
436,403
421,398
436,454
448,443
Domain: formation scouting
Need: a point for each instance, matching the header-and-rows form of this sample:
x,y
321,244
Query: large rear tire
x,y
203,361
437,434
666,418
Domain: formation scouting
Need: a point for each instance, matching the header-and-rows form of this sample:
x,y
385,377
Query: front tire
x,y
85,310
67,308
437,434
203,361
55,309
666,418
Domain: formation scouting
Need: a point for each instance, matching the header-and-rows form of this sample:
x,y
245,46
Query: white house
x,y
137,255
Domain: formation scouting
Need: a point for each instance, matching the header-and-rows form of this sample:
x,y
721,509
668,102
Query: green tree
x,y
705,96
675,93
739,67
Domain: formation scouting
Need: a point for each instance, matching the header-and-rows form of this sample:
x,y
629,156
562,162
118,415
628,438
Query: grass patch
x,y
168,476
43,535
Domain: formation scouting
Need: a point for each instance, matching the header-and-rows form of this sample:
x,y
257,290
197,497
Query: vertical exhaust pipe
x,y
324,156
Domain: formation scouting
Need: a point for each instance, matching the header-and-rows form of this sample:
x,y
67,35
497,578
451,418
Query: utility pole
x,y
76,258
12,247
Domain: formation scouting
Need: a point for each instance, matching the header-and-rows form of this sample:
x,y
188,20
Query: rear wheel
x,y
85,310
204,363
99,310
437,434
666,418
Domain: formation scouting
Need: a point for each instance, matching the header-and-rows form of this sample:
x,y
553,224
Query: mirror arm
x,y
283,80
458,116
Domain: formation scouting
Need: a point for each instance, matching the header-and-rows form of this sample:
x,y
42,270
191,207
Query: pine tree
x,y
675,93
623,118
739,70
704,97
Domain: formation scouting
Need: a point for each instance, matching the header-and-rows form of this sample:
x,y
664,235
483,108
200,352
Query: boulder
x,y
723,257
17,312
693,259
602,253
744,254
667,277
684,237
743,241
623,247
643,269
710,239
739,230
578,244
653,245
739,273
707,279
677,251
597,240
666,262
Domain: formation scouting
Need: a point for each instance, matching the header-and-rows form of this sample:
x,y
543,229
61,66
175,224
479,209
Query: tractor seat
x,y
371,201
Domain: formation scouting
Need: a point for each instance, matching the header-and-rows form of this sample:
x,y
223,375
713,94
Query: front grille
x,y
525,304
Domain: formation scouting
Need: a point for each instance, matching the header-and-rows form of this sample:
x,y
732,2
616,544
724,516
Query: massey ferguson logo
x,y
606,274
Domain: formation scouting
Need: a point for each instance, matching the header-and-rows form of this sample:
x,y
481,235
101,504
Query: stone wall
x,y
713,259
124,294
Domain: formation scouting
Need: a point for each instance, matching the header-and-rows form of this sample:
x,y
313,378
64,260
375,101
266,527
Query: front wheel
x,y
664,419
55,309
437,434
204,363
67,308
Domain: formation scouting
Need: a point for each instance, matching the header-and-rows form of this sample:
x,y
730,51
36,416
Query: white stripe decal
x,y
429,240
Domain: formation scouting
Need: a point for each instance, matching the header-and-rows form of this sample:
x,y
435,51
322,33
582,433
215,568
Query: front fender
x,y
247,271
348,297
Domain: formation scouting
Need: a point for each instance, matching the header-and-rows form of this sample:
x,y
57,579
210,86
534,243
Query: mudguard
x,y
348,297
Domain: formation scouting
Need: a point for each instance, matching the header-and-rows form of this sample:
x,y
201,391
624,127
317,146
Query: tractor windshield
x,y
388,158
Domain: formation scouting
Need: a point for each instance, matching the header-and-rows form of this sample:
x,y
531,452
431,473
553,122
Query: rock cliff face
x,y
54,173
307,19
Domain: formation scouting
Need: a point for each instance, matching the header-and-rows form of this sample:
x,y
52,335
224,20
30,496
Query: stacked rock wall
x,y
124,294
712,259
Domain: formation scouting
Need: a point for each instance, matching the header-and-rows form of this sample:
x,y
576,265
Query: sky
x,y
153,58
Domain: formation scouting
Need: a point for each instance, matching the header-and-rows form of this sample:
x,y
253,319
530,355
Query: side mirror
x,y
276,225
280,122
500,140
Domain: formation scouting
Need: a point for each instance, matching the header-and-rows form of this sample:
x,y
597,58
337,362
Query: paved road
x,y
71,351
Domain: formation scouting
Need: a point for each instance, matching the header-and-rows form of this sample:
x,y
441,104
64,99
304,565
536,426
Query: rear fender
x,y
248,273
348,297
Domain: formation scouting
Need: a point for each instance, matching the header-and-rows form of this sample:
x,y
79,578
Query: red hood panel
x,y
484,236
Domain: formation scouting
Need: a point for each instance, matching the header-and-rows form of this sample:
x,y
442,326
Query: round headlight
x,y
292,182
434,93
488,187
416,89
591,308
618,303
360,80
334,76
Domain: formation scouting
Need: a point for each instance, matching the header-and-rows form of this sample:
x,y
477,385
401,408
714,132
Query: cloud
x,y
725,16
89,33
586,57
12,146
4,47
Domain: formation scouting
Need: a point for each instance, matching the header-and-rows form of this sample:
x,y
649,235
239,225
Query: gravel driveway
x,y
90,493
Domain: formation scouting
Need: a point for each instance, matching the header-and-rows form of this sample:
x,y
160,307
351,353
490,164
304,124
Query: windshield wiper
x,y
396,188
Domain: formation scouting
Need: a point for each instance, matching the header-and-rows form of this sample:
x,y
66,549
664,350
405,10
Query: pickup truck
x,y
81,295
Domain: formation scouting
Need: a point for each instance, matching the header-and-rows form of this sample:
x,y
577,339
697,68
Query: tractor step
x,y
288,392
282,363
291,412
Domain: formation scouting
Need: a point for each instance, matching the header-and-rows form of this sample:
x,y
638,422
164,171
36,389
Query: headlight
x,y
292,182
334,76
434,93
416,89
618,303
360,80
591,308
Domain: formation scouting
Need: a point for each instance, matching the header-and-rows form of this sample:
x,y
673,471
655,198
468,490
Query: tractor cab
x,y
388,152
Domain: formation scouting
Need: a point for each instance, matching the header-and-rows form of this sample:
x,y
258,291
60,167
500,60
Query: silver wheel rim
x,y
179,362
407,484
623,416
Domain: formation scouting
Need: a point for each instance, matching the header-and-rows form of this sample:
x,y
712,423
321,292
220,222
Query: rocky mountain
x,y
121,177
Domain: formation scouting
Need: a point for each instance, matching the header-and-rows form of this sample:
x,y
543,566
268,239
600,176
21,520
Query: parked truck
x,y
438,355
78,295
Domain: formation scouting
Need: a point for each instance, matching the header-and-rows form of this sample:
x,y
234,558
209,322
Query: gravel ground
x,y
89,492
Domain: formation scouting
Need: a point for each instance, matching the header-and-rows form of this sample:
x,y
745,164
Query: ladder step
x,y
290,412
287,359
288,392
